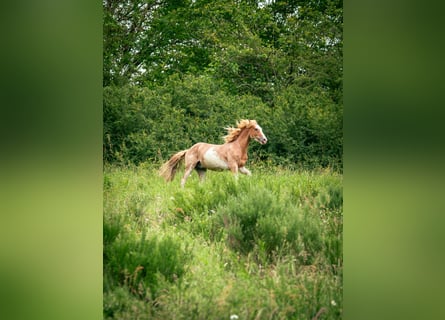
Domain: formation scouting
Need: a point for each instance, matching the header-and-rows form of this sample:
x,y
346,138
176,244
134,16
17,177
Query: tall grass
x,y
267,246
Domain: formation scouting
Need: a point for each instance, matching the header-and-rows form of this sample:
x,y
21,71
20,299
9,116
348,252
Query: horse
x,y
232,155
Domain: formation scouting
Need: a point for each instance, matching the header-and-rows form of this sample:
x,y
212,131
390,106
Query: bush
x,y
138,262
142,124
257,222
305,128
256,216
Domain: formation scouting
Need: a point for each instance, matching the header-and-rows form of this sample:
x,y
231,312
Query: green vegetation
x,y
178,72
264,247
267,246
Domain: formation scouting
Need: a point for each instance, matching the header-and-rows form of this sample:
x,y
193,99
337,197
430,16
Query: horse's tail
x,y
168,169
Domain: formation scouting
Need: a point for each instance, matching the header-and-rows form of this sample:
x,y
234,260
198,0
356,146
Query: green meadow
x,y
268,246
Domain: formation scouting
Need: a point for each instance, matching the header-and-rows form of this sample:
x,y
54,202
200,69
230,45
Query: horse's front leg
x,y
245,171
234,169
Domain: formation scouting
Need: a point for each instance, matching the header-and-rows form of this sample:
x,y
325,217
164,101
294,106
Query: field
x,y
267,246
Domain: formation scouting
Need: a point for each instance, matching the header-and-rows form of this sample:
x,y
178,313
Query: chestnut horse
x,y
232,155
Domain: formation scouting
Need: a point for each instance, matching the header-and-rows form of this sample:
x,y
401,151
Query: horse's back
x,y
201,147
197,151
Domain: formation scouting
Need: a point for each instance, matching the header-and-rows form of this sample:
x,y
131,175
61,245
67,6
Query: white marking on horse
x,y
211,160
263,138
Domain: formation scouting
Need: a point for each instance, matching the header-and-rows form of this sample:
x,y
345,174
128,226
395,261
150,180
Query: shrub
x,y
111,229
305,128
138,262
258,222
150,124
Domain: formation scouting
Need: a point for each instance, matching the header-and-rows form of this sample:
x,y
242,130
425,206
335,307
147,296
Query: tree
x,y
124,27
206,62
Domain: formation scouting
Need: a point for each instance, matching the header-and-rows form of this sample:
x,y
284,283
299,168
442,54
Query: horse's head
x,y
256,133
252,128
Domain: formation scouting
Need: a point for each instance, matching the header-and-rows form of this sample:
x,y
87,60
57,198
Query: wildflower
x,y
333,303
233,317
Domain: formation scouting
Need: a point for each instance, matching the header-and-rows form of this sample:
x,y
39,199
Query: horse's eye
x,y
256,129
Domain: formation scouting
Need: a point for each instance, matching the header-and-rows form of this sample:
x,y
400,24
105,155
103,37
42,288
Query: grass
x,y
267,246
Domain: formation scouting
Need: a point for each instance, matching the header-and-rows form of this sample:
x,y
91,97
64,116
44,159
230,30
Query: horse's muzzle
x,y
262,140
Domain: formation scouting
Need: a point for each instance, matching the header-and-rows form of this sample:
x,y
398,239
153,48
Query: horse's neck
x,y
243,140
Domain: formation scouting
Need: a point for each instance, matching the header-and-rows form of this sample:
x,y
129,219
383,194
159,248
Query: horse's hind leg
x,y
190,163
201,173
188,169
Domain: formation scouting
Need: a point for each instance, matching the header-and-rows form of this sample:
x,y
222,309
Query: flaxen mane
x,y
233,133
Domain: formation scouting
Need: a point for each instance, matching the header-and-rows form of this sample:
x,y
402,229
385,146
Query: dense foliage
x,y
178,72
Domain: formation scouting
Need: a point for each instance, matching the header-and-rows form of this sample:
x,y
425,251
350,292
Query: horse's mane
x,y
233,133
